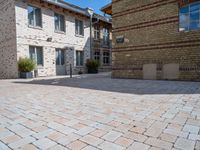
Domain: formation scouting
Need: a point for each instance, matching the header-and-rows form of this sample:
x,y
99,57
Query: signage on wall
x,y
185,2
120,39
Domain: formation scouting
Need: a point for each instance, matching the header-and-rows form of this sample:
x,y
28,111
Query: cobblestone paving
x,y
95,112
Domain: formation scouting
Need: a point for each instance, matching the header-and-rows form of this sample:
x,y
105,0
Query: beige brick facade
x,y
151,36
18,36
27,36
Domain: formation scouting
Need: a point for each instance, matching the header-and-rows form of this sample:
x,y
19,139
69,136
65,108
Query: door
x,y
149,71
60,62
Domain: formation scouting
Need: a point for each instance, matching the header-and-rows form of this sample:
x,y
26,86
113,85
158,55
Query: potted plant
x,y
92,66
26,66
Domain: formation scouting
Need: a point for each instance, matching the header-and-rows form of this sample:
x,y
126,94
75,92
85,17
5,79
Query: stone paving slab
x,y
96,112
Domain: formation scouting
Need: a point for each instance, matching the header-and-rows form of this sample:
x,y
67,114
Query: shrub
x,y
26,65
92,66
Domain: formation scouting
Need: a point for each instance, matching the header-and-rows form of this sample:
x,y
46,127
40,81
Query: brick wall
x,y
98,45
38,37
151,33
8,55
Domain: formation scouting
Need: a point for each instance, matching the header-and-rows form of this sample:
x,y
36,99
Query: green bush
x,y
26,65
92,66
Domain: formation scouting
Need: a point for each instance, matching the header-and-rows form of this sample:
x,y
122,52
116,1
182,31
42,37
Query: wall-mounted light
x,y
49,39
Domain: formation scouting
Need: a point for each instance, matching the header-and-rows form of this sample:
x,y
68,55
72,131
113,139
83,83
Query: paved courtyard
x,y
93,112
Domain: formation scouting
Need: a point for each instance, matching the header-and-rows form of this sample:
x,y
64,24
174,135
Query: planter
x,y
92,71
26,75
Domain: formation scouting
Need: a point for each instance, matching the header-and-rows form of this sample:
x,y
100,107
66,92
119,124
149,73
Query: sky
x,y
95,4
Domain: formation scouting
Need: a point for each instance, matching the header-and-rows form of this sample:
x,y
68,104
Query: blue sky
x,y
95,4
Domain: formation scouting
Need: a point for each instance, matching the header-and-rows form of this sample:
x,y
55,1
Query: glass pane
x,y
62,57
81,58
194,16
38,17
32,53
184,9
76,26
62,23
184,22
77,58
194,25
81,28
56,19
30,15
195,7
39,56
57,57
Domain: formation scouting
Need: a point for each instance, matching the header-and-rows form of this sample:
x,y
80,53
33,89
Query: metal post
x,y
70,70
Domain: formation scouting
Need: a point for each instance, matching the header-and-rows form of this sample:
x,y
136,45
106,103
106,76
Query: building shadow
x,y
104,82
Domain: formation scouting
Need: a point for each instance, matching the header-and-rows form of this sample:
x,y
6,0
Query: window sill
x,y
79,66
35,27
80,36
59,32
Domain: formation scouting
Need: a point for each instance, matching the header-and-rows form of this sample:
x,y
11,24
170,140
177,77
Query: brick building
x,y
53,33
156,39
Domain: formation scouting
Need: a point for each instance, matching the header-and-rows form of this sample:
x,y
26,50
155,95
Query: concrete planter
x,y
26,75
92,71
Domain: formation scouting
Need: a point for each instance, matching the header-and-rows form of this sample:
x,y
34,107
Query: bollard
x,y
70,70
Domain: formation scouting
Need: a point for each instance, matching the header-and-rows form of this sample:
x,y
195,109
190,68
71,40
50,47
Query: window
x,y
79,29
79,58
96,32
59,22
106,58
106,38
189,17
60,54
36,54
34,16
97,56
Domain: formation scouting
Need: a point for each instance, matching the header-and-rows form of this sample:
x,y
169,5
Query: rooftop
x,y
77,9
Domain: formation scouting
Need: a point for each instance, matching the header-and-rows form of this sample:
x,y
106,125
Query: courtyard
x,y
92,112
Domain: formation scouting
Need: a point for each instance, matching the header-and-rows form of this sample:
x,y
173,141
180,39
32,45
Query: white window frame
x,y
106,36
79,57
34,17
97,56
78,30
59,22
96,32
189,18
35,51
60,51
107,57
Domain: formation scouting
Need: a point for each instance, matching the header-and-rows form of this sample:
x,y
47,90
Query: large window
x,y
106,37
106,58
59,22
79,58
97,56
79,27
96,32
34,16
190,17
36,54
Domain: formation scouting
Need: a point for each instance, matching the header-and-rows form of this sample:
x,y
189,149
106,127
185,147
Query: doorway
x,y
60,62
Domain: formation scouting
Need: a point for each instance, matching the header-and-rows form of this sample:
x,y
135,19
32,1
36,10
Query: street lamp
x,y
90,11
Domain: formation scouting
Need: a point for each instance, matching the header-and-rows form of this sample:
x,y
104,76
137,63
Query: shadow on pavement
x,y
104,82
